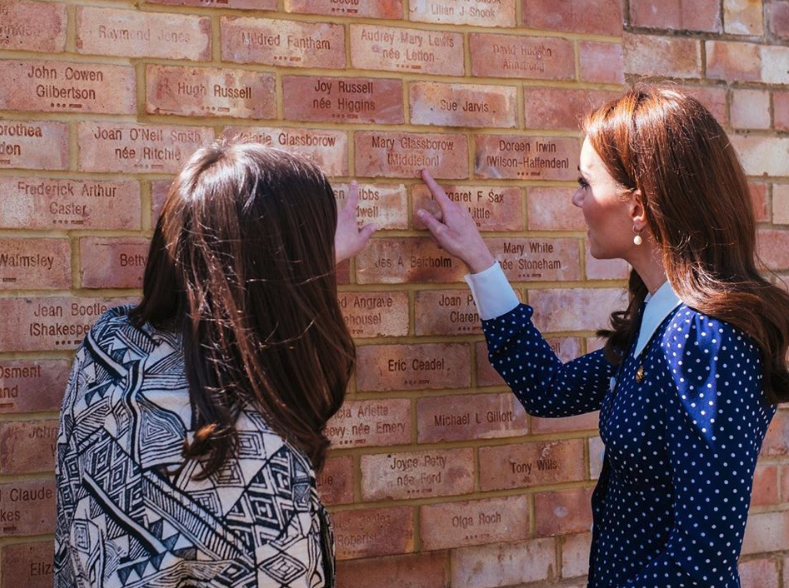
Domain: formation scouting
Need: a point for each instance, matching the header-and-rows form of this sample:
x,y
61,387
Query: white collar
x,y
659,306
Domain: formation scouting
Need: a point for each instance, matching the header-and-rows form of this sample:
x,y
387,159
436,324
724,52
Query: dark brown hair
x,y
699,211
242,264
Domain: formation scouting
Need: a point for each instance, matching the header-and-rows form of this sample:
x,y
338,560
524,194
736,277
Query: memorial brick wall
x,y
437,477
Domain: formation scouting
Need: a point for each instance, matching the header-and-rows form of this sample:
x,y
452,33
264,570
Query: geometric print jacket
x,y
126,519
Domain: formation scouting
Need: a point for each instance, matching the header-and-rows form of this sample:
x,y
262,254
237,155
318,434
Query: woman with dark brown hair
x,y
692,369
193,423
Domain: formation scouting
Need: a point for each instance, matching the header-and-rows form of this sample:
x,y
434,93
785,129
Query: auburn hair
x,y
242,264
699,211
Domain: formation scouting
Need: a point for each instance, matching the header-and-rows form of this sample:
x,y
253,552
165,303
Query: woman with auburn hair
x,y
692,369
193,423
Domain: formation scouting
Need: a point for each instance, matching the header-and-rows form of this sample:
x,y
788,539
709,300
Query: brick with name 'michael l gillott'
x,y
524,158
33,145
32,385
475,416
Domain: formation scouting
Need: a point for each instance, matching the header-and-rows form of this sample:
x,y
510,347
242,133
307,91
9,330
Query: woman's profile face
x,y
606,206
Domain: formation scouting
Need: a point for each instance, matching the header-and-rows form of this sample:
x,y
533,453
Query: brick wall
x,y
438,478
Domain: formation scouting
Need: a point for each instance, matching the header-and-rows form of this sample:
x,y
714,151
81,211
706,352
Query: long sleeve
x,y
542,383
716,423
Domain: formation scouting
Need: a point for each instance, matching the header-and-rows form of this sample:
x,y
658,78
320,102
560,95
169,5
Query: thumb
x,y
366,232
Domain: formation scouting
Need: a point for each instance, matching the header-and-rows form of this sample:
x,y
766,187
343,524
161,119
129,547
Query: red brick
x,y
477,522
562,513
733,61
390,9
701,15
758,192
335,480
773,248
406,50
446,312
27,446
61,86
596,457
32,385
28,564
583,422
343,272
33,145
511,56
494,208
556,108
750,109
357,100
551,209
407,259
463,105
373,532
605,269
714,99
159,190
765,486
130,33
781,110
370,423
417,474
766,532
575,310
35,263
776,442
486,375
531,464
783,475
235,4
673,57
384,205
33,26
759,573
382,368
602,62
27,508
107,262
762,155
327,148
477,416
481,13
780,204
37,203
375,314
743,17
505,564
575,555
778,11
537,259
139,148
423,570
520,157
281,42
600,17
404,155
210,92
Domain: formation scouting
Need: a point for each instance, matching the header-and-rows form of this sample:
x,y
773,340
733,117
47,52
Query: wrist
x,y
480,263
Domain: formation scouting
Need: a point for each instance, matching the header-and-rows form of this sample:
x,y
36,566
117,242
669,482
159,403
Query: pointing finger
x,y
437,191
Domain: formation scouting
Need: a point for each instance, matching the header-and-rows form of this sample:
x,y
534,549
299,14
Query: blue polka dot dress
x,y
682,422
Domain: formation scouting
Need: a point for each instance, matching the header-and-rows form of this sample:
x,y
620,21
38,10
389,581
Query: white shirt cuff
x,y
492,292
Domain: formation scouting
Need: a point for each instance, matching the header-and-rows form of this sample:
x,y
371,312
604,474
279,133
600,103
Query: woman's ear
x,y
637,210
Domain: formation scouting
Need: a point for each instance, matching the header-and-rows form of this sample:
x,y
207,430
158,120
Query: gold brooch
x,y
640,374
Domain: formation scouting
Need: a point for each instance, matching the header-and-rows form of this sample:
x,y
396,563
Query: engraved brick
x,y
130,33
765,485
602,62
40,324
35,263
417,474
575,555
713,98
537,259
407,50
554,108
32,385
375,314
370,423
382,368
526,158
701,15
112,262
505,564
750,109
583,422
601,17
596,457
329,149
581,309
463,105
478,416
343,272
373,532
33,26
566,348
675,57
234,4
335,480
385,206
28,564
511,56
758,192
404,260
766,532
552,209
759,573
780,204
125,147
531,464
446,312
60,86
605,269
282,42
481,13
762,155
210,92
781,110
358,100
493,208
477,522
37,203
743,17
486,374
562,513
389,9
159,190
423,570
27,446
33,145
733,61
27,507
404,155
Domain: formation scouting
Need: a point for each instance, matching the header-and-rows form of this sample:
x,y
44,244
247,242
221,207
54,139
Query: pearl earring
x,y
637,240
